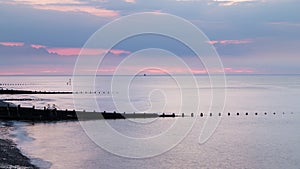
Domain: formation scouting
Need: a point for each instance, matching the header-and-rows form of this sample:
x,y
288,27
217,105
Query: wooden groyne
x,y
46,114
13,92
52,114
9,91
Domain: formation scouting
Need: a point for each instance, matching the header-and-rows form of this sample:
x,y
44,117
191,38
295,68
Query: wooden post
x,y
8,112
18,110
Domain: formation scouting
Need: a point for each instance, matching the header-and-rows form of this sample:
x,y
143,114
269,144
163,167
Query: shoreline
x,y
10,155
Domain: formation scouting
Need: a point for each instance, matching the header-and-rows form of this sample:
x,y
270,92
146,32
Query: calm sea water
x,y
270,141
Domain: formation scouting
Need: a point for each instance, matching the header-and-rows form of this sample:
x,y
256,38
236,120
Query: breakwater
x,y
7,91
52,114
46,114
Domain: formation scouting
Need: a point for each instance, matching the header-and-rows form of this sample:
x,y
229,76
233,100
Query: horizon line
x,y
206,74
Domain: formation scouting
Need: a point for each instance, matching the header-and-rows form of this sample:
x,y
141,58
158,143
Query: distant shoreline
x,y
213,74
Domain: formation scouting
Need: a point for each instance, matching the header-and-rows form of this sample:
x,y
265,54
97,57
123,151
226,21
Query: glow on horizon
x,y
179,71
64,70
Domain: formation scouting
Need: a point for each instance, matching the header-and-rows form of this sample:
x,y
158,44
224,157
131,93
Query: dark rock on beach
x,y
11,157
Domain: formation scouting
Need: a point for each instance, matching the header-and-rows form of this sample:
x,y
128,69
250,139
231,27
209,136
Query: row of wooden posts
x,y
31,113
11,91
16,84
236,114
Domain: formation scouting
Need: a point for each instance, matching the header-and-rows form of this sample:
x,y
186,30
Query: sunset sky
x,y
44,37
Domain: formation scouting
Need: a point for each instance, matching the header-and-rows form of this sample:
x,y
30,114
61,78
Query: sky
x,y
44,37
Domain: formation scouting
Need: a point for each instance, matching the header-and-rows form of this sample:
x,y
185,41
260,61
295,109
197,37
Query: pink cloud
x,y
37,46
64,51
11,44
74,51
46,2
235,2
69,6
85,9
130,1
244,70
119,52
88,51
230,42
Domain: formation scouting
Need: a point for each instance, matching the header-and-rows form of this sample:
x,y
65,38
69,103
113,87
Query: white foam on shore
x,y
4,104
19,135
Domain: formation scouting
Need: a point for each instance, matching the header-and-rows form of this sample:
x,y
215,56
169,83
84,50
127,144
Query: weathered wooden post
x,y
8,111
18,110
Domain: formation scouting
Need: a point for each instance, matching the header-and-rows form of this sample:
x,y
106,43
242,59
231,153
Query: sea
x,y
250,121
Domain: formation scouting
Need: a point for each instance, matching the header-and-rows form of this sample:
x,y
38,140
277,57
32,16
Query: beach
x,y
10,155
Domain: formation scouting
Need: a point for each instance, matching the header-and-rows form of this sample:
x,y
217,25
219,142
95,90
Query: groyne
x,y
47,114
